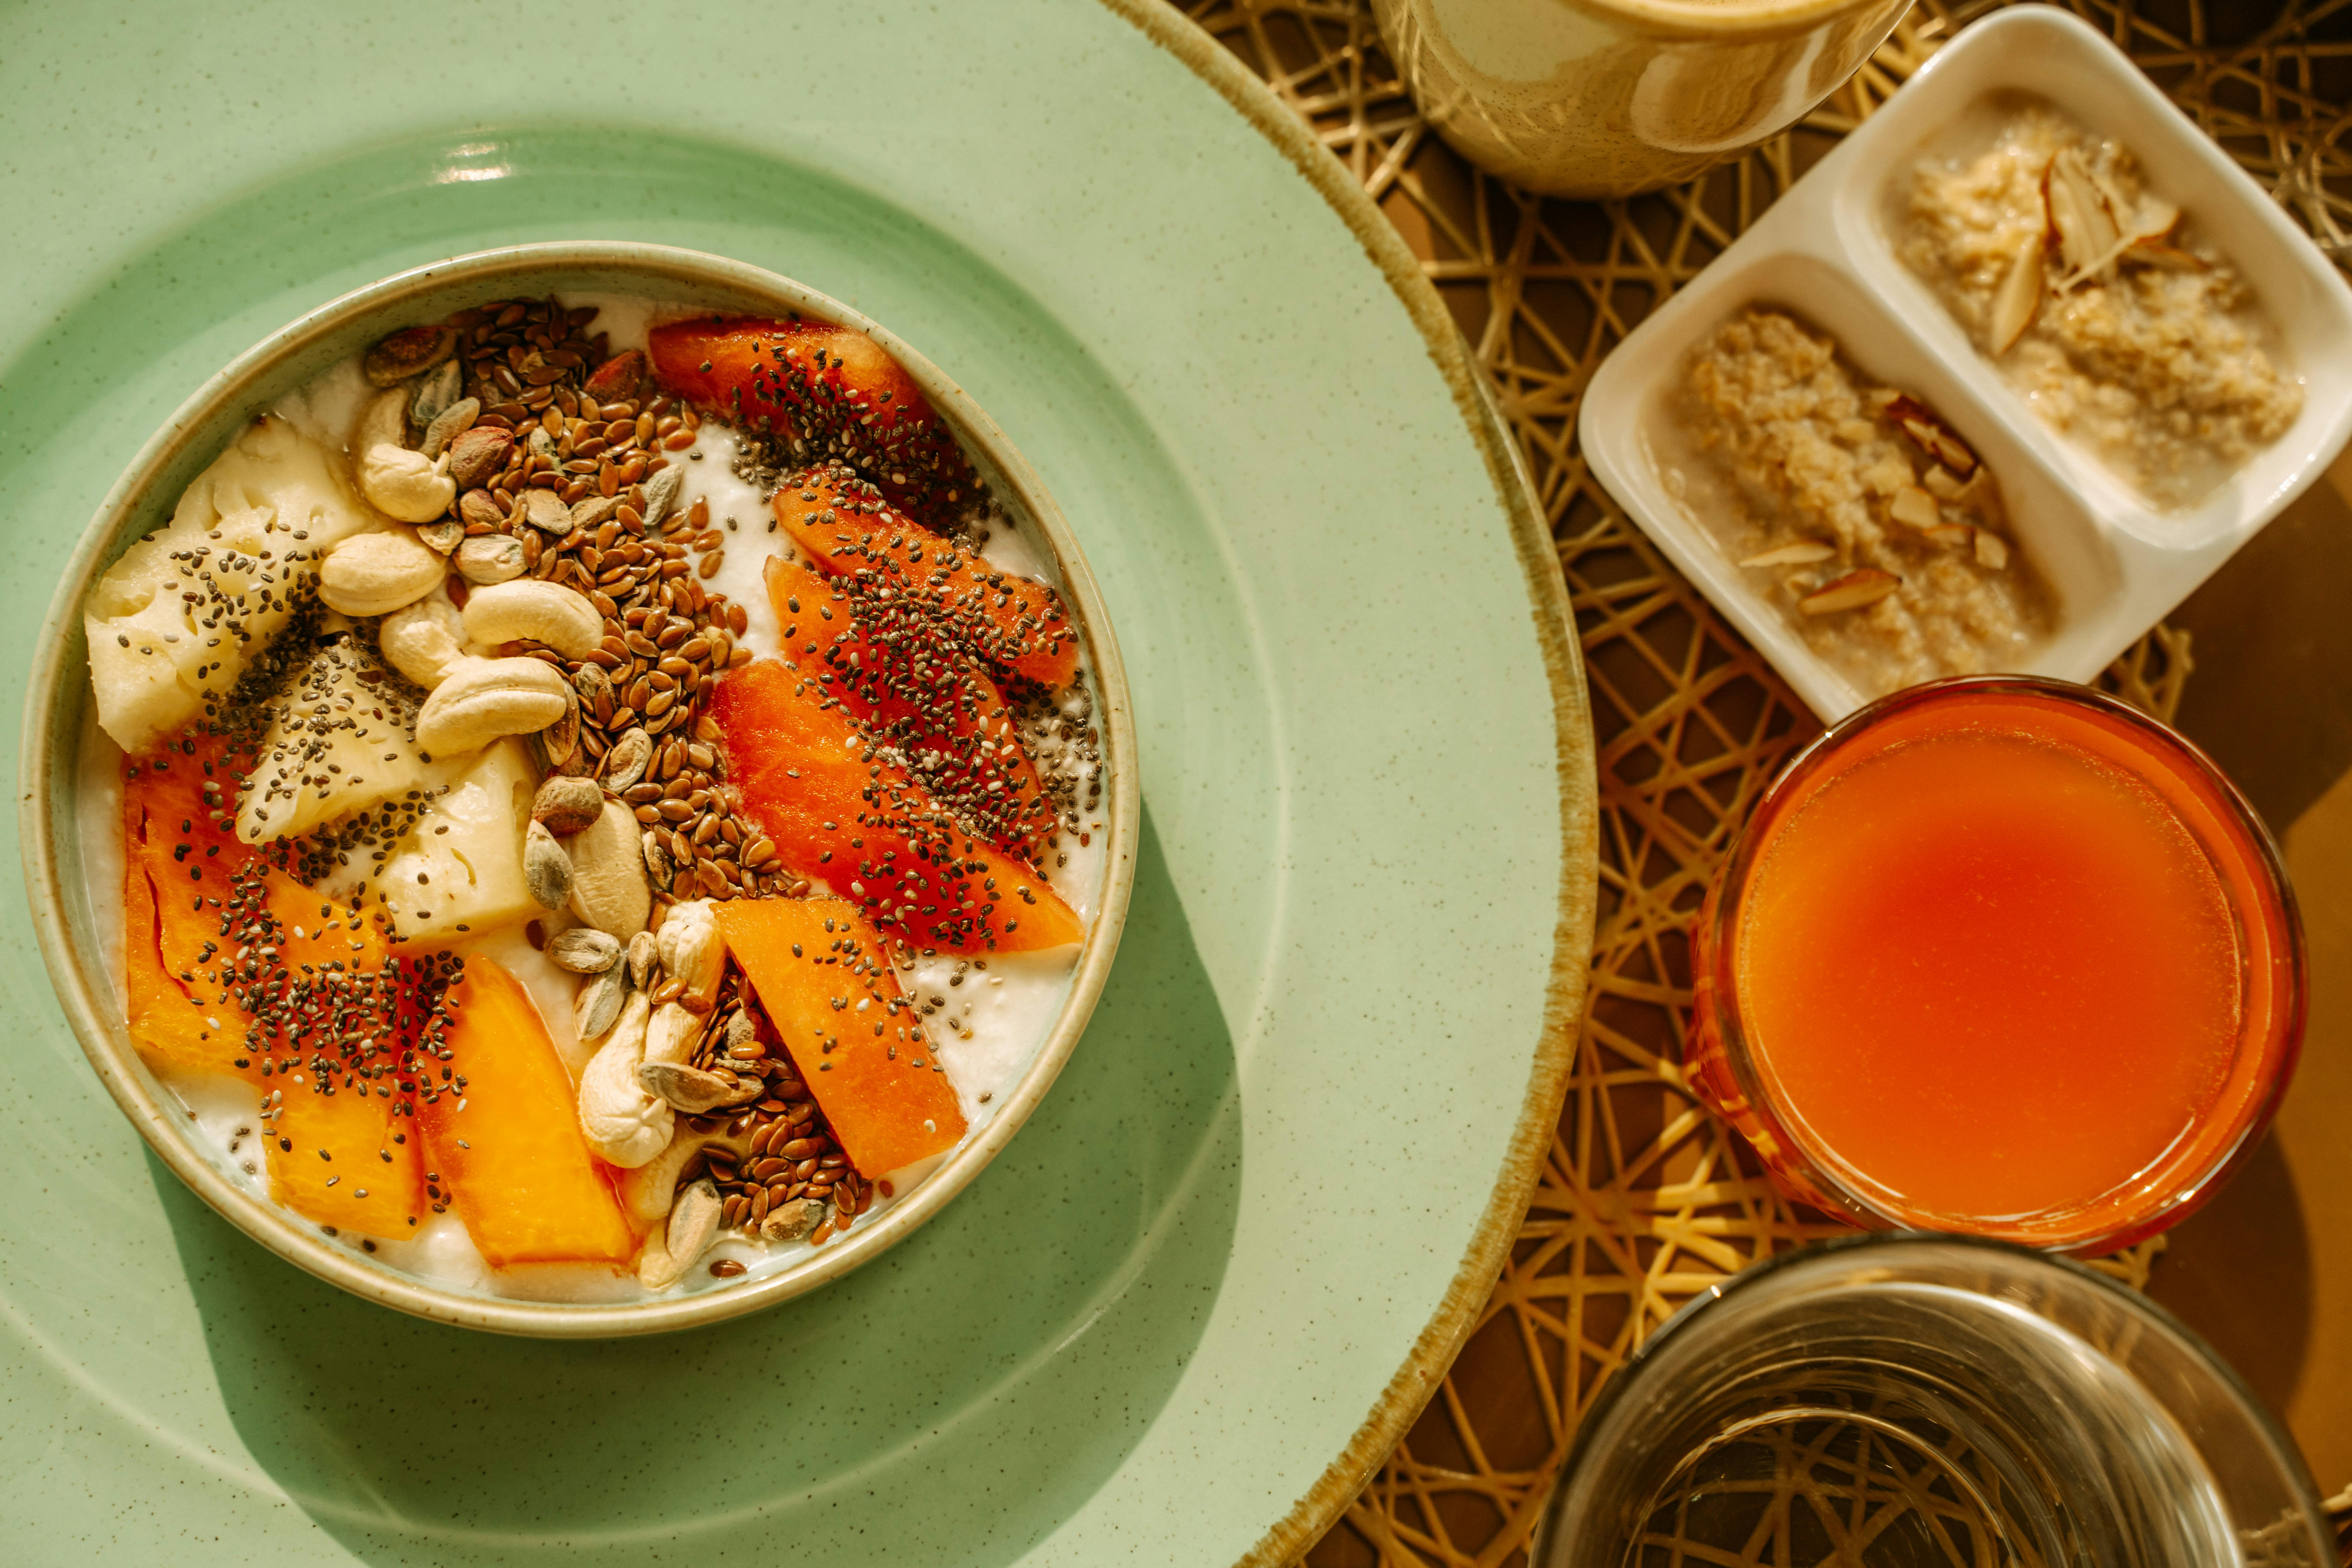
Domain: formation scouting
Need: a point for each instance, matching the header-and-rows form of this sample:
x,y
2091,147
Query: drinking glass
x,y
1899,1398
1727,1067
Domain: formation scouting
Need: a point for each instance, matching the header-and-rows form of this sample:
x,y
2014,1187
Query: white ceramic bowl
x,y
2116,563
143,500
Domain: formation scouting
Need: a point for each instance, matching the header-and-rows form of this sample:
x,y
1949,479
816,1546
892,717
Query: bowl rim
x,y
48,747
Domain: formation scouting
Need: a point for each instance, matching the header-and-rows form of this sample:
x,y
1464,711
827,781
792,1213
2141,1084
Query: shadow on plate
x,y
951,1401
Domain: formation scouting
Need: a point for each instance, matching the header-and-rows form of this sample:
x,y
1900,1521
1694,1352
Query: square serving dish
x,y
2115,564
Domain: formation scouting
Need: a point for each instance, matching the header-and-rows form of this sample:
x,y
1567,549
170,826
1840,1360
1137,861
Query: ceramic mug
x,y
1606,98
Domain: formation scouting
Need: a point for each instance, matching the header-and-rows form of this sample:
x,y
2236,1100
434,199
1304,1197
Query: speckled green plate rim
x,y
1440,1340
188,439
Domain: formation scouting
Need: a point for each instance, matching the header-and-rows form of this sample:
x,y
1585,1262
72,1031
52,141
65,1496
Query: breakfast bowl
x,y
547,454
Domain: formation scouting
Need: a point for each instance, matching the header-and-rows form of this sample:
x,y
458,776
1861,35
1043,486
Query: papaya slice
x,y
340,1156
836,813
823,977
898,675
833,389
168,1022
1016,624
208,923
506,1144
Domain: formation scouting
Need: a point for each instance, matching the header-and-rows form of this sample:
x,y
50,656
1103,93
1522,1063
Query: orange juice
x,y
2002,956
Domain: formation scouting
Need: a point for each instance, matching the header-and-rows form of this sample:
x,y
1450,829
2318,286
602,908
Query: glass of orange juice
x,y
2002,956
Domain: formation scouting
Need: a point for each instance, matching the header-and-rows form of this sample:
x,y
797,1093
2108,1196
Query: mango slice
x,y
836,813
823,979
169,1024
209,922
335,1159
506,1144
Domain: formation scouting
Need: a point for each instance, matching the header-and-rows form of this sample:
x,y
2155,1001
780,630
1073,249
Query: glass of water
x,y
1902,1399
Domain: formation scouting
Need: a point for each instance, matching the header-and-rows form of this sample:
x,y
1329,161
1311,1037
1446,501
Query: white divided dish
x,y
2113,562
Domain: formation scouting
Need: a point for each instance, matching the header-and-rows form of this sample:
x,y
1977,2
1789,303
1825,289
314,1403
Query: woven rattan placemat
x,y
1646,1198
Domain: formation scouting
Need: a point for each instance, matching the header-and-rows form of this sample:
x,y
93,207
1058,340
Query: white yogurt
x,y
992,1013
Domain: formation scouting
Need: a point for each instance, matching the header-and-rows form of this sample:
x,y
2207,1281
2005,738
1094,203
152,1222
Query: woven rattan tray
x,y
1646,1198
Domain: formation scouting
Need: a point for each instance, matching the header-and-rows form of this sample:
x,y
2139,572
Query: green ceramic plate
x,y
1195,1300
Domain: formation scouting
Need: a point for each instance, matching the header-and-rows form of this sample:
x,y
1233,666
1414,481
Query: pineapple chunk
x,y
442,886
339,739
174,622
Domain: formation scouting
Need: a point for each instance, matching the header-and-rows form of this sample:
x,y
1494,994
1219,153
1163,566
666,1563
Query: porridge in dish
x,y
602,798
2109,313
1853,508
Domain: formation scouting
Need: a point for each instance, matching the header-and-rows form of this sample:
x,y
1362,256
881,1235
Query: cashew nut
x,y
691,949
670,1036
384,421
406,485
646,1191
483,699
626,1125
424,640
542,612
376,574
608,878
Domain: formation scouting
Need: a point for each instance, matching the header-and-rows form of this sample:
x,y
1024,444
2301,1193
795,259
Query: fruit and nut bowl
x,y
598,793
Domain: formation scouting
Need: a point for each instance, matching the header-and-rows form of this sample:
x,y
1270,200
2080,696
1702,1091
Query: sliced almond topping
x,y
2018,298
1952,535
1953,452
2086,233
1865,585
1992,551
2121,213
1932,435
1803,554
1941,483
1982,497
1928,431
1914,507
2154,220
2156,253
